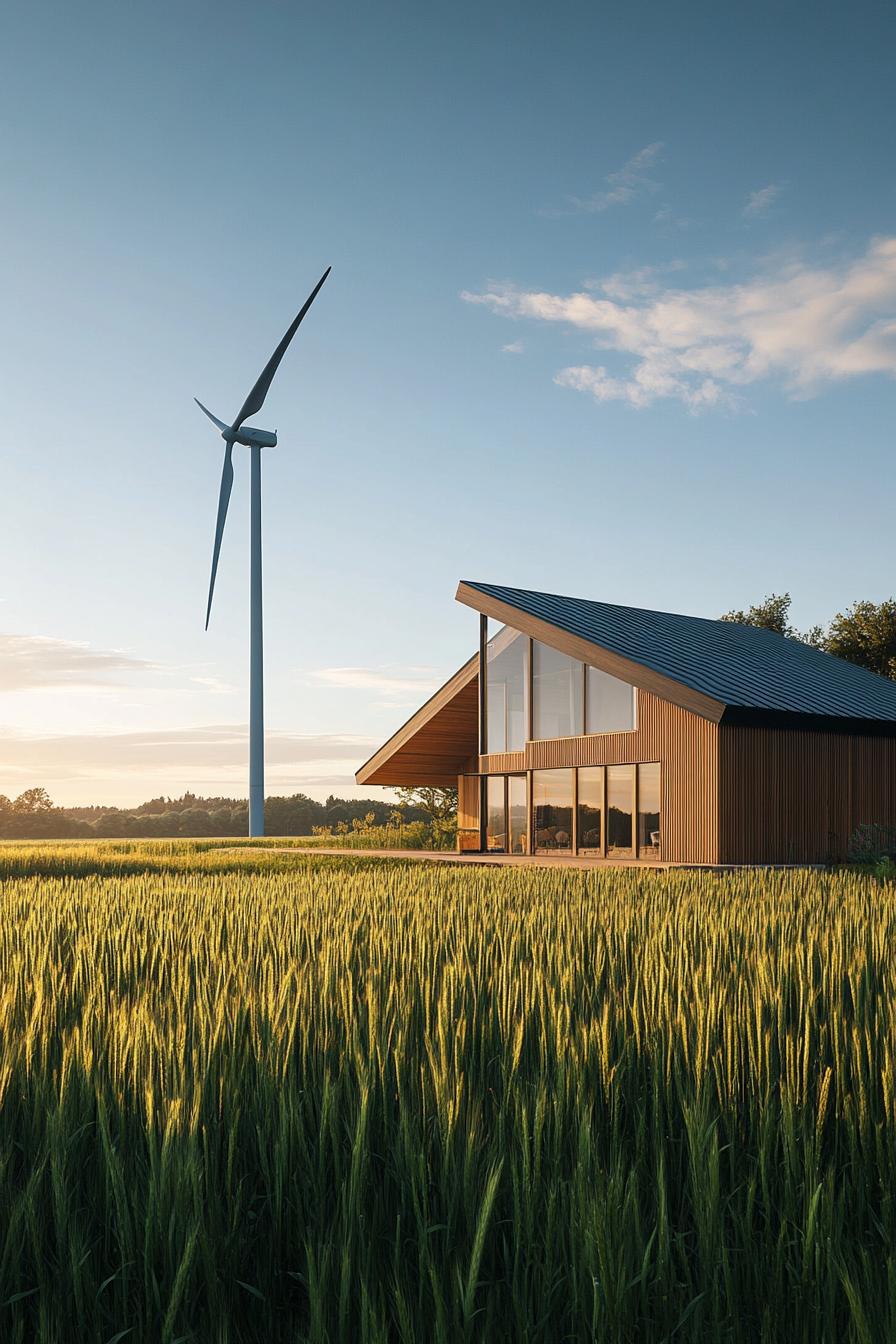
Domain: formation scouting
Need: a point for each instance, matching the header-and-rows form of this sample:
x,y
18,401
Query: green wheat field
x,y
262,1096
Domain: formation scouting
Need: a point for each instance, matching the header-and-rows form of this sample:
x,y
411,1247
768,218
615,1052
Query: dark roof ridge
x,y
736,664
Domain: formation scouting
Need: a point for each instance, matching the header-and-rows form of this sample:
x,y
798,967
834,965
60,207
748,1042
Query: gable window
x,y
610,703
507,682
558,700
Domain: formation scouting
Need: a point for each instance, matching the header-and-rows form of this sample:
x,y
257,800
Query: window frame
x,y
530,692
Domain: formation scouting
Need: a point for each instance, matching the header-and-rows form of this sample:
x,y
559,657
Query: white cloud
x,y
803,325
392,684
628,182
760,202
124,768
513,348
32,662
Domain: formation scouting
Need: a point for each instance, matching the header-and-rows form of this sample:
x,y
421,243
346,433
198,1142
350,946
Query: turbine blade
x,y
223,501
255,399
214,419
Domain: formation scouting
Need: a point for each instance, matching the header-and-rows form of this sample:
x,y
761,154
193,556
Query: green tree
x,y
32,802
773,613
439,805
866,634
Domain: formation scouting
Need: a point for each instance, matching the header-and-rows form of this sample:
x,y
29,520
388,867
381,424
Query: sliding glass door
x,y
506,814
518,813
496,813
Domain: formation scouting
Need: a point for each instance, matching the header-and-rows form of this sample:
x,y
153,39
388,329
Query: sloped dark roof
x,y
756,673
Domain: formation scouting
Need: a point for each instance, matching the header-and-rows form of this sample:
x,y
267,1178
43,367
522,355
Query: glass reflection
x,y
518,814
591,807
495,813
610,703
552,795
507,688
649,811
620,797
557,693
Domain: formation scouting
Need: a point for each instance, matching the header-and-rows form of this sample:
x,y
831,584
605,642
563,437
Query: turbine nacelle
x,y
251,437
240,433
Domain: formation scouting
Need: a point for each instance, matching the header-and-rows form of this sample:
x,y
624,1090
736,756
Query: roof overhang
x,y
441,740
587,652
436,743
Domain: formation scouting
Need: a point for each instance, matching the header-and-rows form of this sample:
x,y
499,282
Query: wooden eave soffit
x,y
443,697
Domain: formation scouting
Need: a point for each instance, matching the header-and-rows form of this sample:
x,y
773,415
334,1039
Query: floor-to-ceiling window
x,y
609,703
507,814
620,810
552,809
649,811
590,809
596,810
558,708
495,813
507,682
518,813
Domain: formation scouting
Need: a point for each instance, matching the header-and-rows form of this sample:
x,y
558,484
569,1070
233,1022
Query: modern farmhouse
x,y
585,728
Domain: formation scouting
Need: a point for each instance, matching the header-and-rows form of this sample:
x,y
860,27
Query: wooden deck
x,y
514,860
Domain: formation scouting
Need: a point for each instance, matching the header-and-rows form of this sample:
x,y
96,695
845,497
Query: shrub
x,y
871,842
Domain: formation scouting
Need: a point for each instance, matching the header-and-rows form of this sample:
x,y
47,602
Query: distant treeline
x,y
33,816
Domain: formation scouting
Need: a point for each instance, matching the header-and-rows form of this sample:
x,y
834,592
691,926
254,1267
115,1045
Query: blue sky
x,y
611,313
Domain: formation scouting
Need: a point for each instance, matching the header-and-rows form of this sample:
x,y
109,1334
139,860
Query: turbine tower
x,y
254,439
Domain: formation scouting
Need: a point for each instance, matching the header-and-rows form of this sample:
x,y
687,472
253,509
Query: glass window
x,y
649,811
620,798
591,808
552,811
610,703
495,813
518,814
557,693
507,682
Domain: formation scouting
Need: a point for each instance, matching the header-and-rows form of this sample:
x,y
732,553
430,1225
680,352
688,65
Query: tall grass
x,y
285,1097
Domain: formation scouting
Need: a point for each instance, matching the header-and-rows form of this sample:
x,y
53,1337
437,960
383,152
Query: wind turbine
x,y
256,439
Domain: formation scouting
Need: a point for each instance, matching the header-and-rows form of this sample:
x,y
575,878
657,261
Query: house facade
x,y
615,733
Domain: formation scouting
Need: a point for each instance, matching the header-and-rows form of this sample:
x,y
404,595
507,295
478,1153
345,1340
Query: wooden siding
x,y
686,747
503,763
468,802
789,796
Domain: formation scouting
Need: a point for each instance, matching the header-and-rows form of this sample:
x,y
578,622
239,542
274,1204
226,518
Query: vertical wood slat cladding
x,y
793,796
502,763
687,749
467,802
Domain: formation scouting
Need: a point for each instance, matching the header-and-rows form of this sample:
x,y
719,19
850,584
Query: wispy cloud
x,y
513,348
110,767
32,662
633,179
391,684
44,663
801,324
760,202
